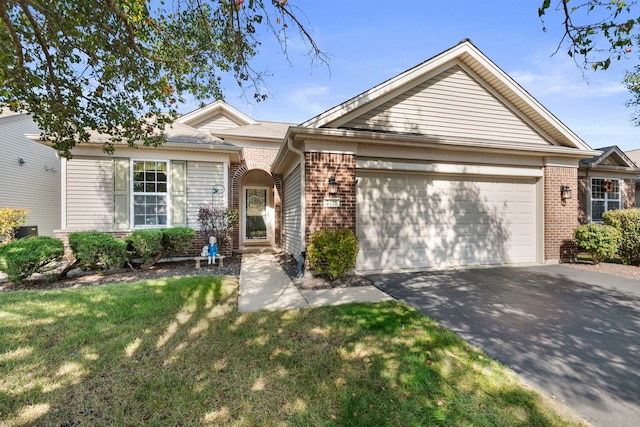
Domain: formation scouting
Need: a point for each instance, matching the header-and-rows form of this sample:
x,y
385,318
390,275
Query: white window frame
x,y
606,198
134,194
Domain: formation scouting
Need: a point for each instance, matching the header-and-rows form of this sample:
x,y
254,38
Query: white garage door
x,y
413,221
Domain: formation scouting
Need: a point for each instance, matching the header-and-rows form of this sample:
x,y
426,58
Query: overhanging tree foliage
x,y
598,32
120,67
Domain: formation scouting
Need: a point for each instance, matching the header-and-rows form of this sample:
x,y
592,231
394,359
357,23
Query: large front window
x,y
150,194
605,196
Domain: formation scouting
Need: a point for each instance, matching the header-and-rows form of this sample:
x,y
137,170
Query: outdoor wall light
x,y
565,192
333,185
21,161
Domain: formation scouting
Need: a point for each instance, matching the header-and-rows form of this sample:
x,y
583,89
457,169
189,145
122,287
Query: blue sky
x,y
372,41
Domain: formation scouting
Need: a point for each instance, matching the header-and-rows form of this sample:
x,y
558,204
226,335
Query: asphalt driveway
x,y
570,333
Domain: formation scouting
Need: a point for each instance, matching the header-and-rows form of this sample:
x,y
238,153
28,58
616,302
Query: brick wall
x,y
583,199
629,193
254,158
318,168
560,217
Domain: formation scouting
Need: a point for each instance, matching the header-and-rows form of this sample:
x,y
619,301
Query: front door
x,y
255,214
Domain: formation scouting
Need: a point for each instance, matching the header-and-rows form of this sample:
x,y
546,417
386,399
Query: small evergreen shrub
x,y
628,222
600,241
97,251
176,240
154,244
21,258
333,252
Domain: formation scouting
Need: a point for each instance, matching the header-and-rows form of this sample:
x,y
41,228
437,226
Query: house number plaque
x,y
331,202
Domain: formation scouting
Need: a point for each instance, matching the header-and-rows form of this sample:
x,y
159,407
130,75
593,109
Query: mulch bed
x,y
312,281
78,278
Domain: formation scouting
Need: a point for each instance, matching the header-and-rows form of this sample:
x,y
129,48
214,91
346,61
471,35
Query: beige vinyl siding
x,y
89,194
452,104
201,177
292,213
215,123
34,185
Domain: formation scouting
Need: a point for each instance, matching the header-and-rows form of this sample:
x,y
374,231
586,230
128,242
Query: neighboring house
x,y
634,156
29,174
606,182
450,163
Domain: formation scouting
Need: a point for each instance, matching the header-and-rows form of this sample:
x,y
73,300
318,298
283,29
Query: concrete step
x,y
257,249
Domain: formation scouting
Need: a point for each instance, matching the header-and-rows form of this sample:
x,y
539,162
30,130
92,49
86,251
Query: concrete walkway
x,y
265,285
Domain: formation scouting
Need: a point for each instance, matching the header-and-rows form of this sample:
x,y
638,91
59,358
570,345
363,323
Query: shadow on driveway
x,y
571,334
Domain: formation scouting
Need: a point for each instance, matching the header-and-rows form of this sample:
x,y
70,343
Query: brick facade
x,y
583,200
254,158
628,187
628,193
560,217
318,168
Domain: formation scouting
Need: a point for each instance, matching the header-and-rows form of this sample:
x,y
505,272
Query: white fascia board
x,y
448,168
342,147
216,106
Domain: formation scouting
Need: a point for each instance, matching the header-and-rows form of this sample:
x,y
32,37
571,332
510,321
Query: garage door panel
x,y
426,221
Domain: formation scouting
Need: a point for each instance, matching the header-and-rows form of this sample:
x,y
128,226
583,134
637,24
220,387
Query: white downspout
x,y
303,210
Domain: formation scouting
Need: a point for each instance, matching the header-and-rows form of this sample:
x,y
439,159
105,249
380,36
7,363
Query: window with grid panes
x,y
603,201
150,193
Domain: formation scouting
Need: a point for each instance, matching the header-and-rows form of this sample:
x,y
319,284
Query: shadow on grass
x,y
177,352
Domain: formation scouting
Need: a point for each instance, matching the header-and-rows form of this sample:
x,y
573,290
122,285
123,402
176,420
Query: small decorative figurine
x,y
212,249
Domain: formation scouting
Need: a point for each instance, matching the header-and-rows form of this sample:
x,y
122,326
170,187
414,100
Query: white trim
x,y
620,195
447,168
561,162
63,193
225,183
216,106
243,209
132,194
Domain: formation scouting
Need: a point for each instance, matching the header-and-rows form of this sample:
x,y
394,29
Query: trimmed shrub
x,y
218,222
154,244
601,241
10,220
333,252
628,222
23,257
176,240
97,251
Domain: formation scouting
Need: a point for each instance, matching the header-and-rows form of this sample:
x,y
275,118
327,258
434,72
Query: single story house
x,y
450,163
29,174
606,182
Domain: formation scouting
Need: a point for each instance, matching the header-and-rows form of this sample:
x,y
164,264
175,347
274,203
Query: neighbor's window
x,y
150,193
605,196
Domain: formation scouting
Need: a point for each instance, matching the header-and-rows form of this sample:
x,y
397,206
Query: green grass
x,y
177,352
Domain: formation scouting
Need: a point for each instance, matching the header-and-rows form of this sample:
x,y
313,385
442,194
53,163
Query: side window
x,y
150,193
605,196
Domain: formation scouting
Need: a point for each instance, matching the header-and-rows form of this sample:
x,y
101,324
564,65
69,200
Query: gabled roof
x,y
215,108
612,158
470,58
261,130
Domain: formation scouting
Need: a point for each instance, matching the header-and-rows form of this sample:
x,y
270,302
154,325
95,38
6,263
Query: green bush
x,y
601,241
154,244
628,222
97,251
21,258
332,252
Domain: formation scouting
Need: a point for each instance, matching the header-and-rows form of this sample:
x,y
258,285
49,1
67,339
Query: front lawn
x,y
177,352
